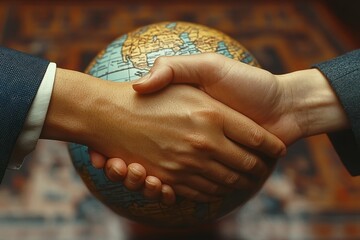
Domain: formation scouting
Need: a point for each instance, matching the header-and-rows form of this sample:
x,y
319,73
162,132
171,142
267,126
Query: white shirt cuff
x,y
27,140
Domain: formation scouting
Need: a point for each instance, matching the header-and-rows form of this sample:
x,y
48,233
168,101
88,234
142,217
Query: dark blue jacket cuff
x,y
343,74
20,78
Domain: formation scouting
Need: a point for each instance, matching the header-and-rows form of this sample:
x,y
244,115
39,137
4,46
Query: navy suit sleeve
x,y
343,74
20,78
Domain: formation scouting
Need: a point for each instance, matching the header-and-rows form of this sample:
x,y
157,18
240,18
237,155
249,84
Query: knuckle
x,y
231,179
214,190
200,137
199,141
257,138
208,114
211,57
211,61
213,116
256,167
161,60
189,164
250,162
171,166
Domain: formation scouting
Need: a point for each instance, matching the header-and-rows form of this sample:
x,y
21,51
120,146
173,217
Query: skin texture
x,y
181,135
291,106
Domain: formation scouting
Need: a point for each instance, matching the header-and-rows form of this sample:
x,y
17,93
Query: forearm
x,y
313,102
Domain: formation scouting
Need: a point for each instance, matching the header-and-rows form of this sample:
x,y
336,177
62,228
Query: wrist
x,y
70,106
313,103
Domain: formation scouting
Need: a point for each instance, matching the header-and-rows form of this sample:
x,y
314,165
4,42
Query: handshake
x,y
196,126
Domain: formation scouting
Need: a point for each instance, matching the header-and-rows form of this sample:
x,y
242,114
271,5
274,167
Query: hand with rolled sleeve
x,y
181,135
26,89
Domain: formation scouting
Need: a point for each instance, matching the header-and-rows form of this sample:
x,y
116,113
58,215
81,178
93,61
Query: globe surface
x,y
128,58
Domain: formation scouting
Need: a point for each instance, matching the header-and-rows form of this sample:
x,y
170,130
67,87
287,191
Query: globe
x,y
128,58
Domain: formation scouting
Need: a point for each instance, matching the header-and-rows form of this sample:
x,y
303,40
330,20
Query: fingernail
x,y
143,79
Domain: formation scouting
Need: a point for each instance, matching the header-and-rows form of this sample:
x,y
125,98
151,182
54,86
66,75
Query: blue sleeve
x,y
20,78
343,74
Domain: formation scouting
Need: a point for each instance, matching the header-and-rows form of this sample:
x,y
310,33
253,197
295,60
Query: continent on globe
x,y
128,58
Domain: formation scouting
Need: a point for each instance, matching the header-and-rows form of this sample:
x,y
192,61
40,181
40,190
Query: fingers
x,y
227,177
152,188
116,169
246,132
168,195
97,160
155,190
194,195
135,178
241,160
206,186
195,188
202,189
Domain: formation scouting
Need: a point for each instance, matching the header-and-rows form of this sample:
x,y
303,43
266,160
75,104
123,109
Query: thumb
x,y
167,70
155,80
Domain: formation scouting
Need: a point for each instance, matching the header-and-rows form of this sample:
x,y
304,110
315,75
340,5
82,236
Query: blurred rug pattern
x,y
310,195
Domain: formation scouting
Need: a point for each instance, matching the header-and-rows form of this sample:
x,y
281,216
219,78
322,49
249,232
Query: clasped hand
x,y
200,147
187,139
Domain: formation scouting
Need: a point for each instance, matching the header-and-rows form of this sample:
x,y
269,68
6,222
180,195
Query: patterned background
x,y
310,196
